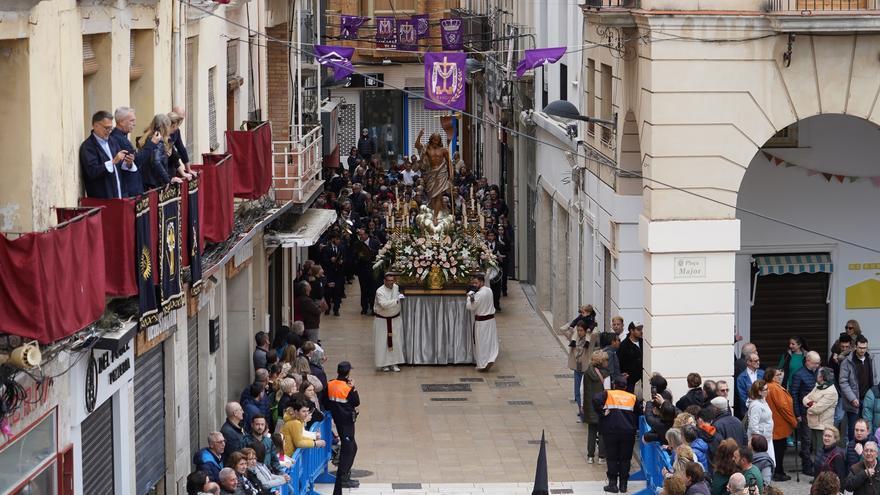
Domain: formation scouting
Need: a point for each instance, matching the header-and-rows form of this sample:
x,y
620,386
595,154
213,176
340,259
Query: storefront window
x,y
21,458
382,115
41,484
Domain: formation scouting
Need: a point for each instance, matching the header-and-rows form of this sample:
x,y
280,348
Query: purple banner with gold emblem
x,y
452,33
386,32
423,26
445,81
407,35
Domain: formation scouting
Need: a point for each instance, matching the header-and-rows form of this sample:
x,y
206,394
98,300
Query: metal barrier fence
x,y
654,459
310,466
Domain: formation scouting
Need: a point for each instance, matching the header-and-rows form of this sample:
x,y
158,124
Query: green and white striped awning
x,y
794,264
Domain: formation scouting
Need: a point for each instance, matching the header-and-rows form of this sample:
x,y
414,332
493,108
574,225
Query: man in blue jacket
x,y
802,383
744,381
132,184
100,159
208,459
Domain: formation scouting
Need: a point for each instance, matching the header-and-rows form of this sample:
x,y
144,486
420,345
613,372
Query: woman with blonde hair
x,y
153,151
178,149
760,417
594,383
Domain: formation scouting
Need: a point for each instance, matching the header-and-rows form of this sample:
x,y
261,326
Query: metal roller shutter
x,y
97,450
193,368
788,305
419,118
149,414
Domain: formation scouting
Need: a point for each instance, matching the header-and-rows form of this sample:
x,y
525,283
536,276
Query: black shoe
x,y
611,487
622,485
327,312
350,483
781,477
363,311
336,313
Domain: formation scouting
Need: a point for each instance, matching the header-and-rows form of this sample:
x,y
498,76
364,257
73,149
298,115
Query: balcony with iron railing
x,y
297,165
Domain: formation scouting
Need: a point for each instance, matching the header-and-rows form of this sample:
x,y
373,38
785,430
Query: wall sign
x,y
689,267
101,375
156,334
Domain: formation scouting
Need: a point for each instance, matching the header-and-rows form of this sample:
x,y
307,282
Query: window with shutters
x,y
191,47
90,62
419,119
591,93
607,82
193,371
563,82
135,70
212,108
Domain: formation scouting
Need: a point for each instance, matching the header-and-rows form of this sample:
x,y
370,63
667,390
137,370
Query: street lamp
x,y
565,110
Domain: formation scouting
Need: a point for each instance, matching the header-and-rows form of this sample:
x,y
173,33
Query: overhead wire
x,y
597,157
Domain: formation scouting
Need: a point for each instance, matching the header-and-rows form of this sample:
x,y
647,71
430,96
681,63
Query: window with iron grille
x,y
212,108
607,81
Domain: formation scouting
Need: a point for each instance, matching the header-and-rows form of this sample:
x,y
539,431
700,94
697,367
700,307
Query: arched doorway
x,y
803,272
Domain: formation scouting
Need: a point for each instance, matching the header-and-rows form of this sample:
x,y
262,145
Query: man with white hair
x,y
736,485
132,185
209,458
864,477
229,482
233,430
727,425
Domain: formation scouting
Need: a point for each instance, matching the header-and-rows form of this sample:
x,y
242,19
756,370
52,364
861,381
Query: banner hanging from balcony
x,y
444,81
251,150
423,25
118,218
452,34
386,32
350,25
216,200
336,57
407,35
538,57
145,264
52,283
193,244
170,292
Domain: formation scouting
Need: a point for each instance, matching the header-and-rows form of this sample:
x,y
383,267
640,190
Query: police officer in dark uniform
x,y
618,412
342,401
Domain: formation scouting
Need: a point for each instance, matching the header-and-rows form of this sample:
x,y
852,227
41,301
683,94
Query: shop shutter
x,y
212,109
97,450
193,368
788,305
149,415
419,118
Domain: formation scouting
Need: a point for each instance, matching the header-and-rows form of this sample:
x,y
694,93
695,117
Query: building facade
x,y
123,411
729,199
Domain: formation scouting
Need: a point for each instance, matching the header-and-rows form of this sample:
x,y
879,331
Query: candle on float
x,y
464,217
482,220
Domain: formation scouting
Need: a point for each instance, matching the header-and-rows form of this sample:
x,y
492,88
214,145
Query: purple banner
x,y
386,32
538,57
336,57
445,81
349,26
407,36
452,33
423,26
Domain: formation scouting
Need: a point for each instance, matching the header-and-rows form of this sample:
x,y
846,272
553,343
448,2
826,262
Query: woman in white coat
x,y
760,416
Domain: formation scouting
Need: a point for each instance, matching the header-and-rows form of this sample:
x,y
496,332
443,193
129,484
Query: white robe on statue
x,y
485,332
387,305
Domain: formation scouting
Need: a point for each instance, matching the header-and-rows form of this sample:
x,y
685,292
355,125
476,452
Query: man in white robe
x,y
387,334
485,331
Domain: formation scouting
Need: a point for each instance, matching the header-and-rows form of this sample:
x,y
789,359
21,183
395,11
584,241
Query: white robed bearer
x,y
387,334
485,331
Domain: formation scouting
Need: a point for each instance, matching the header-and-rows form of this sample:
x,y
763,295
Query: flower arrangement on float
x,y
454,255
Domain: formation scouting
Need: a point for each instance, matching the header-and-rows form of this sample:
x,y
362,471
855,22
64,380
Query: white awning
x,y
307,229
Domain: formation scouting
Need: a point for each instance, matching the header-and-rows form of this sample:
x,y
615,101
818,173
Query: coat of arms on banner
x,y
451,33
423,26
444,80
407,36
386,32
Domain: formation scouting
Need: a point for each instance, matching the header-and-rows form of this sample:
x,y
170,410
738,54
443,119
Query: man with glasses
x,y
744,381
802,384
100,159
208,459
857,376
722,389
863,476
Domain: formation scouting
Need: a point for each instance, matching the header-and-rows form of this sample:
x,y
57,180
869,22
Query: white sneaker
x,y
386,369
395,369
590,460
601,460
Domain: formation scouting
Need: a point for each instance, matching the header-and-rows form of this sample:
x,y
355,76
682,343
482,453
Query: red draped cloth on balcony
x,y
52,283
252,153
117,217
216,200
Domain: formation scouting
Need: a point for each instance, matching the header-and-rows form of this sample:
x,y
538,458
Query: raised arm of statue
x,y
419,145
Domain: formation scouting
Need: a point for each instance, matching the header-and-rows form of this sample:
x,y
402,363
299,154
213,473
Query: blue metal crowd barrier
x,y
654,459
310,466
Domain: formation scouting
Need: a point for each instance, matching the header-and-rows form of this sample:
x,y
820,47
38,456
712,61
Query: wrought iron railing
x,y
623,4
297,165
809,6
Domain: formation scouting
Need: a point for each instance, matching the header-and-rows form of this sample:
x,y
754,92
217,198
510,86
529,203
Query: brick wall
x,y
278,82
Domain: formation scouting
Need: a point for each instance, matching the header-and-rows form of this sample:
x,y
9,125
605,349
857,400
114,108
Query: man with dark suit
x,y
630,355
364,250
100,159
132,184
500,253
332,260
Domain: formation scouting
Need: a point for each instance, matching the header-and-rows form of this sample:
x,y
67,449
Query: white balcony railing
x,y
297,166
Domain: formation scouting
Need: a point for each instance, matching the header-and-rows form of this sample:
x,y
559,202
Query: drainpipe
x,y
177,13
